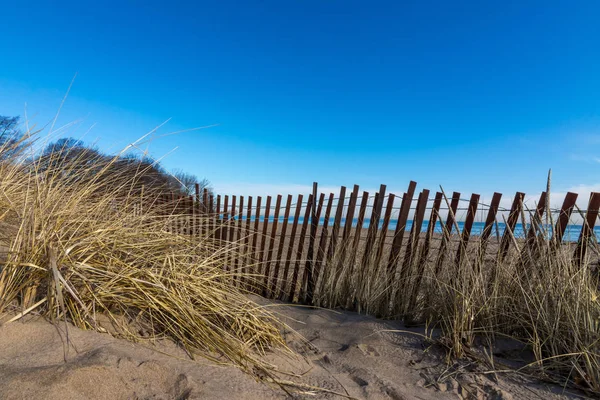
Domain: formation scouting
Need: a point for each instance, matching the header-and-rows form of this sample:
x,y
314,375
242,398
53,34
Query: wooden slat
x,y
206,209
238,239
290,251
225,221
255,233
263,238
373,227
447,231
217,227
335,230
355,244
466,233
537,218
564,216
314,266
309,267
172,214
511,222
191,216
299,251
399,231
269,258
247,250
489,225
415,230
384,228
211,221
197,211
349,219
230,223
413,245
286,217
324,235
591,217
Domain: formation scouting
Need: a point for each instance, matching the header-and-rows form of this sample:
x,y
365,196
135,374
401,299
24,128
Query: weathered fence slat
x,y
389,208
511,222
466,233
324,235
271,244
447,231
238,239
591,217
537,218
263,237
217,230
373,227
300,250
247,251
230,223
309,267
335,231
224,223
197,209
348,224
394,256
286,217
433,220
415,234
489,224
564,216
255,255
288,258
211,220
315,266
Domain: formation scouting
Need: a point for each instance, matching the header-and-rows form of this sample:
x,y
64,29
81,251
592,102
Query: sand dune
x,y
356,356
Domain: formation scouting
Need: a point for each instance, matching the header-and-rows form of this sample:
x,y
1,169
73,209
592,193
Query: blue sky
x,y
473,96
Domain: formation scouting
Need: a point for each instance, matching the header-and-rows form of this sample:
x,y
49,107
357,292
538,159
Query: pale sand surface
x,y
343,352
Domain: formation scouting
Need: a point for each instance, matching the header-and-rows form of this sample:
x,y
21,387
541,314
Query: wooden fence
x,y
291,244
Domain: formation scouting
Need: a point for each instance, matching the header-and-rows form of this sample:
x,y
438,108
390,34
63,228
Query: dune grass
x,y
83,238
541,294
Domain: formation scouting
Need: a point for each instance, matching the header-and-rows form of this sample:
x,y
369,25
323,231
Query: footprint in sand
x,y
368,350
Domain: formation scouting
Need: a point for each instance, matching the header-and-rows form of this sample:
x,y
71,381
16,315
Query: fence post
x,y
413,238
238,239
309,267
299,251
317,265
511,222
587,228
466,233
447,231
563,217
355,243
263,237
286,217
247,251
290,251
537,219
389,207
324,235
414,245
399,231
267,261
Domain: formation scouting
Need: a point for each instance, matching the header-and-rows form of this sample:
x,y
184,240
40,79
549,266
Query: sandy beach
x,y
346,353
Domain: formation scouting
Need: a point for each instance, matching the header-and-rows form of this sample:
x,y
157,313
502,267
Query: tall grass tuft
x,y
83,238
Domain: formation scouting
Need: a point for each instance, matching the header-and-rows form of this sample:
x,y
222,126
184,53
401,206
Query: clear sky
x,y
473,96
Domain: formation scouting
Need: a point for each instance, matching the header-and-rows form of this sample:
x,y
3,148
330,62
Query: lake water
x,y
571,234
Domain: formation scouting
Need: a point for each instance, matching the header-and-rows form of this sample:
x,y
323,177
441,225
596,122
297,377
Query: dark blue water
x,y
571,233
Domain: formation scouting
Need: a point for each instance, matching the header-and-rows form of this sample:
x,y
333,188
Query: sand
x,y
354,355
